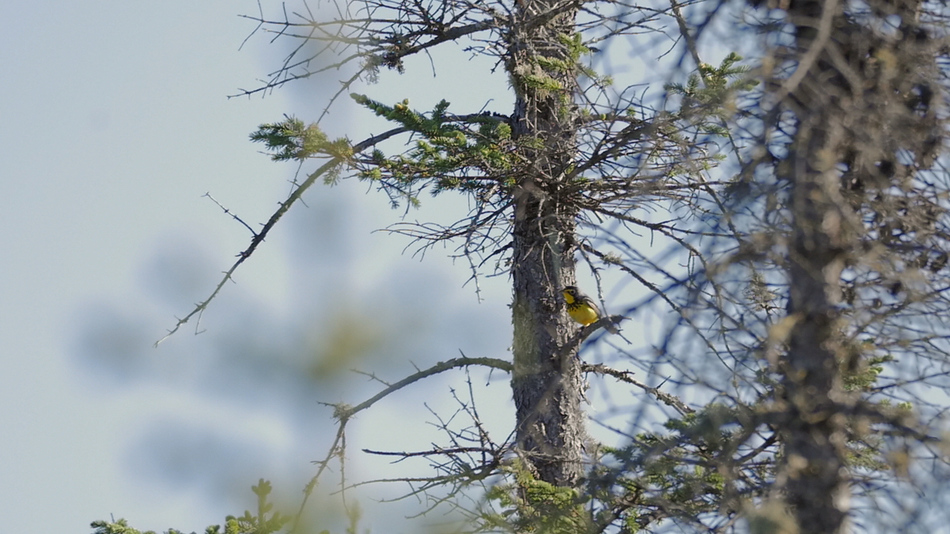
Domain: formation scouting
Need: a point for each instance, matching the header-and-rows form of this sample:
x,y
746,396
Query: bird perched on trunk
x,y
583,309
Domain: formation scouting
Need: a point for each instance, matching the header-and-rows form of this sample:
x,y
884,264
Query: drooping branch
x,y
259,236
344,413
627,377
440,367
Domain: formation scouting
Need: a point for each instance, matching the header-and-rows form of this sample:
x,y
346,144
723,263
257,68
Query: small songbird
x,y
583,309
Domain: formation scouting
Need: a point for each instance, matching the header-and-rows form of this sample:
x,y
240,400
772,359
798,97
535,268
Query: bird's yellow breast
x,y
583,313
580,308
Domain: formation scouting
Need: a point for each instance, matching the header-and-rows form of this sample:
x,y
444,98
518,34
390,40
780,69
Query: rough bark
x,y
546,381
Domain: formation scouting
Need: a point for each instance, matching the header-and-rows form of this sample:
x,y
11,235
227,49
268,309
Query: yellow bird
x,y
583,309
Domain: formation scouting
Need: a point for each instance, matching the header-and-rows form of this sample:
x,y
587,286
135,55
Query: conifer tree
x,y
799,192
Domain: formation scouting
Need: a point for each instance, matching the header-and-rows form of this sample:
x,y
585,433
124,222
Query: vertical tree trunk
x,y
815,473
546,382
814,470
862,96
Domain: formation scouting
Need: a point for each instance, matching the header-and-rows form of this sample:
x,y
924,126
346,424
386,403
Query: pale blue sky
x,y
115,123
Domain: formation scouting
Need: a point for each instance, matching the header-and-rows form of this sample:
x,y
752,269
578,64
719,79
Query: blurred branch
x,y
626,376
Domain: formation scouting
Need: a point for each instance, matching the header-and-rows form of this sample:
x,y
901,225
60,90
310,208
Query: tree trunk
x,y
546,381
814,472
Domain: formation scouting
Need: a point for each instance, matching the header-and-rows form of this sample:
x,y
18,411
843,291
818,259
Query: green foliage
x,y
541,81
695,487
627,485
712,90
532,505
264,521
452,153
545,75
121,526
290,139
576,49
866,369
